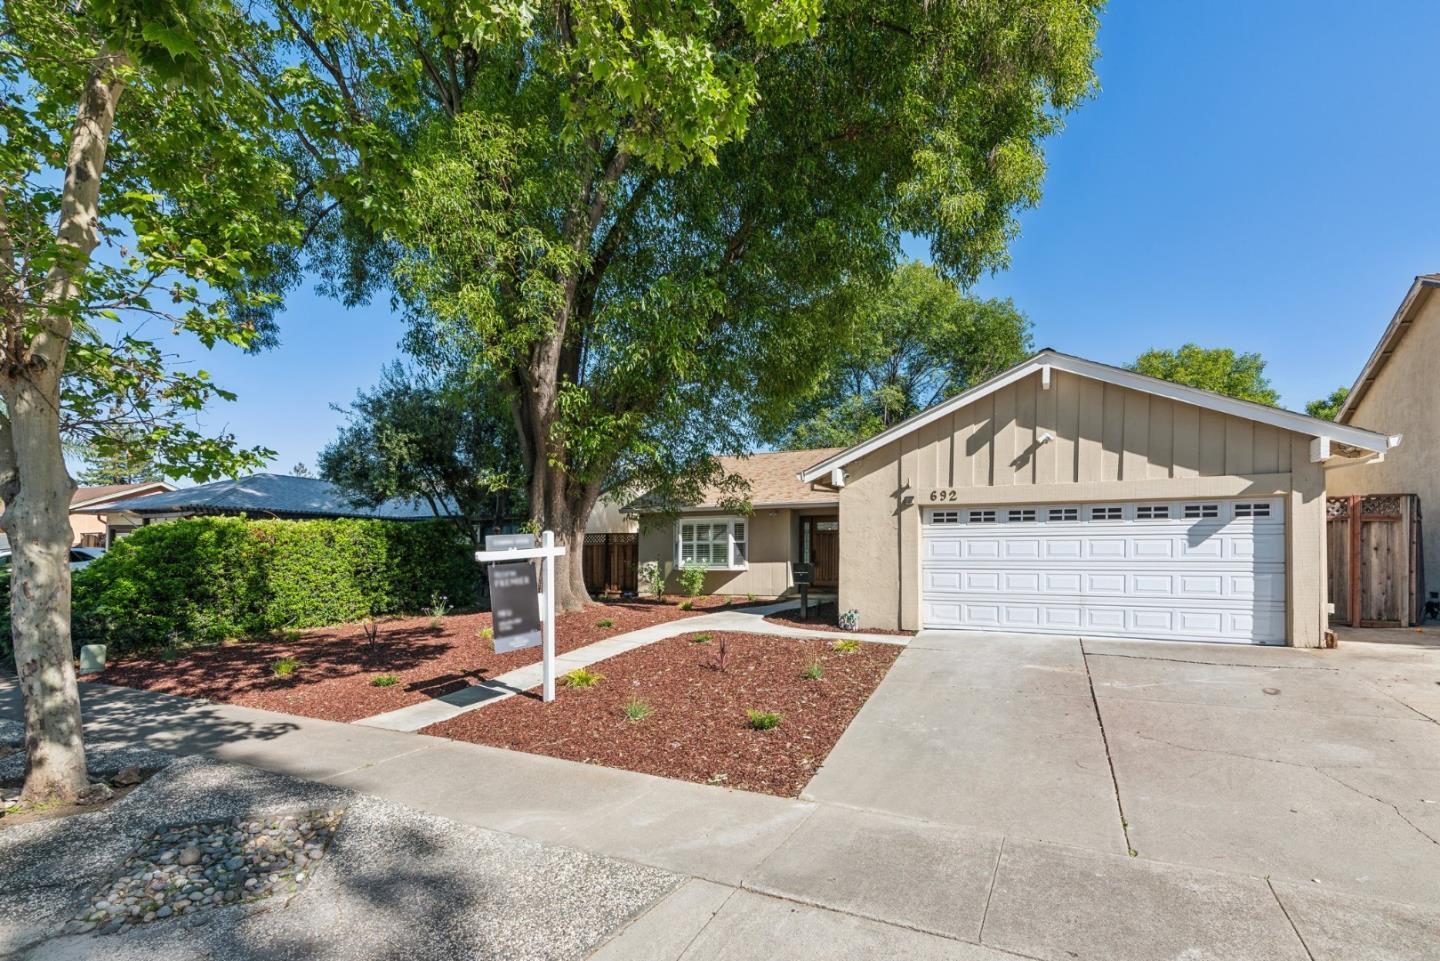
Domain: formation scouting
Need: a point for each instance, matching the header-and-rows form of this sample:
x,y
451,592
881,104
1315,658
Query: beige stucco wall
x,y
1110,443
1405,399
607,518
770,546
84,524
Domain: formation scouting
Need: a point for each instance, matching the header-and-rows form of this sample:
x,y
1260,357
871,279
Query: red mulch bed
x,y
699,730
826,617
333,681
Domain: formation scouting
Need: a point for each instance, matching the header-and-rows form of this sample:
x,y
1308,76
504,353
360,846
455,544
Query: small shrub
x,y
637,710
580,678
169,655
485,633
292,634
687,605
371,629
439,607
849,620
750,597
762,720
692,581
722,654
385,680
700,639
651,580
814,672
845,646
285,667
605,622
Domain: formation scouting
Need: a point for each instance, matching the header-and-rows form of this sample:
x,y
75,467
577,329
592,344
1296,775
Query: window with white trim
x,y
1152,512
1063,514
1020,515
944,517
1261,509
718,542
1107,513
982,517
1201,511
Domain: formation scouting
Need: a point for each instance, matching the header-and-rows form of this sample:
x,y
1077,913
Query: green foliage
x,y
686,605
652,581
385,680
605,622
762,720
700,638
848,645
1328,408
212,578
692,580
285,667
485,633
1218,369
814,672
637,710
446,439
581,678
913,340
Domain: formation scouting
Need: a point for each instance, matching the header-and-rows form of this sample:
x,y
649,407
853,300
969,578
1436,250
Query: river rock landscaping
x,y
181,871
825,616
682,708
337,665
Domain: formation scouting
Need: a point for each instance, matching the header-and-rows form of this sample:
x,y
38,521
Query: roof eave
x,y
1389,341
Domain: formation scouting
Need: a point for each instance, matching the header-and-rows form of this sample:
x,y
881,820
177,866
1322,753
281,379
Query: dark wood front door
x,y
820,547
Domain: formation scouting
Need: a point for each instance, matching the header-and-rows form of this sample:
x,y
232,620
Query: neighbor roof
x,y
85,496
263,495
1260,413
772,479
1420,291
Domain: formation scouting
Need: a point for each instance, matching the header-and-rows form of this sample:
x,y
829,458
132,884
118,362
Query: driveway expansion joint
x,y
1293,927
1109,758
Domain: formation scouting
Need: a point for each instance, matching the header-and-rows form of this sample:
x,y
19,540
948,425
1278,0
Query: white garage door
x,y
1180,570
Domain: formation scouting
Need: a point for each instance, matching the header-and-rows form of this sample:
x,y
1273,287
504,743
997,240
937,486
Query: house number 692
x,y
944,495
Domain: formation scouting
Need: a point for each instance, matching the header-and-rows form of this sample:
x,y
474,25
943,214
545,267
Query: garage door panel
x,y
1136,572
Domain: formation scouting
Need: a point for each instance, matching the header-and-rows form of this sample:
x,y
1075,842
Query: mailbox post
x,y
804,575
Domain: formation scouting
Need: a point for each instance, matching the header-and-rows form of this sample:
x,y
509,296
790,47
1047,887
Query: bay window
x,y
719,543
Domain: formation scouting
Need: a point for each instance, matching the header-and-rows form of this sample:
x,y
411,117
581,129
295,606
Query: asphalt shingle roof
x,y
772,478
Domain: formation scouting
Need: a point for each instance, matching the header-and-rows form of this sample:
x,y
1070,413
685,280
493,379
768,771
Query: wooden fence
x,y
612,563
1376,565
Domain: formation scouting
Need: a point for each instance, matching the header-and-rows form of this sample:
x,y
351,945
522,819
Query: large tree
x,y
1328,408
1218,369
917,340
442,438
641,220
130,193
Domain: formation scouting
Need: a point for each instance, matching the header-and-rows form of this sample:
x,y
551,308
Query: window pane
x,y
740,557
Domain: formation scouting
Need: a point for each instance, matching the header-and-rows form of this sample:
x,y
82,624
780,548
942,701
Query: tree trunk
x,y
33,480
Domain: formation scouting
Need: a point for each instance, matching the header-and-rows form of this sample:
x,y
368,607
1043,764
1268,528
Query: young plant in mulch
x,y
485,633
845,646
637,710
373,643
722,654
580,679
814,672
686,605
285,667
700,639
692,581
762,720
439,607
385,680
605,622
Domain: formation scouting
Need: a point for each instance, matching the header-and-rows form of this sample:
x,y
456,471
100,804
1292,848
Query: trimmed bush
x,y
692,580
206,579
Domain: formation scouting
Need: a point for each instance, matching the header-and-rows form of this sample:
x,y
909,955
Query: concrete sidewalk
x,y
750,620
952,863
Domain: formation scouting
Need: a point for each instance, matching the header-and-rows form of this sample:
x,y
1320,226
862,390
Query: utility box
x,y
92,658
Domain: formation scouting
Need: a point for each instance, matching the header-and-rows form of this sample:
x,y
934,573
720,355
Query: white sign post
x,y
507,547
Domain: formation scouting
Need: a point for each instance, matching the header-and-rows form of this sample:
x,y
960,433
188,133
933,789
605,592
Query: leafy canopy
x,y
193,218
917,340
1328,408
1218,369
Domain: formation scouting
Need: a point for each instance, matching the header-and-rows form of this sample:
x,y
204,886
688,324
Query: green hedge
x,y
206,579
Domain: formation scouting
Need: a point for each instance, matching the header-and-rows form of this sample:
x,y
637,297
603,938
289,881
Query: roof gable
x,y
1421,289
1043,362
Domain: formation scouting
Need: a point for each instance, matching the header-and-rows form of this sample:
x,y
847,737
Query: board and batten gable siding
x,y
1110,443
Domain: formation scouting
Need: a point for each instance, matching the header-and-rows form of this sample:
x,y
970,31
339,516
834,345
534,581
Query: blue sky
x,y
1260,175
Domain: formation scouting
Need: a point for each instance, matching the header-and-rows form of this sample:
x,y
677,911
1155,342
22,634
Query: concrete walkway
x,y
1238,853
750,620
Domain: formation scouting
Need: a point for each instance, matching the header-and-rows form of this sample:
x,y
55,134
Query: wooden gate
x,y
1376,565
612,563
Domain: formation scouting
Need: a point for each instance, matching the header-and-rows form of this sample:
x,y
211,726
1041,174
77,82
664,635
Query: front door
x,y
820,547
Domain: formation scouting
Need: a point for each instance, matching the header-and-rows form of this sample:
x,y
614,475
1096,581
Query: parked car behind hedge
x,y
206,579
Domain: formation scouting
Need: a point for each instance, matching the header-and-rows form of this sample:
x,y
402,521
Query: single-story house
x,y
88,529
1063,496
1397,390
258,496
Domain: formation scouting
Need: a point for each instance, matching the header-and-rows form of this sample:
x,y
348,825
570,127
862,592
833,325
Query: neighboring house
x,y
88,530
258,496
1399,391
610,516
1063,497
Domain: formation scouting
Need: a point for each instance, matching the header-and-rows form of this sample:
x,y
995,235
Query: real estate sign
x,y
515,606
